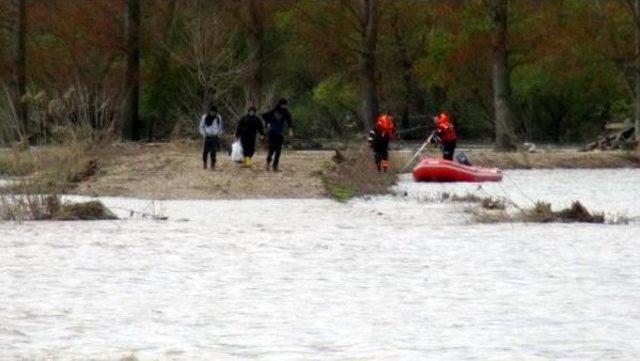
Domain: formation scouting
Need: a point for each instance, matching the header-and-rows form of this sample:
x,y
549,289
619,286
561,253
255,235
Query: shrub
x,y
353,173
38,207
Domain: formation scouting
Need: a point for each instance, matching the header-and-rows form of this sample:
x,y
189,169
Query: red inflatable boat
x,y
440,170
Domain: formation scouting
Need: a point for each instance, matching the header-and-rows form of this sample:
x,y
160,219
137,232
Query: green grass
x,y
340,192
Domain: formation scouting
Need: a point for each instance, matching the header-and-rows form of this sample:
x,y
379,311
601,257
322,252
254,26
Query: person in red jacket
x,y
445,134
379,138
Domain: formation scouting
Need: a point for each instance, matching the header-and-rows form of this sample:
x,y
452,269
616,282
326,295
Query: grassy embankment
x,y
44,174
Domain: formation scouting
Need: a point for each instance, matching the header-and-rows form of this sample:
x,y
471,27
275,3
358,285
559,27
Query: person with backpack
x,y
445,134
248,127
211,130
276,120
379,138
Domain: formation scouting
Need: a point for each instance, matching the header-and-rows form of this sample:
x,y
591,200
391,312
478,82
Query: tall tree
x,y
634,6
159,95
256,46
346,43
19,63
132,126
409,39
368,82
504,118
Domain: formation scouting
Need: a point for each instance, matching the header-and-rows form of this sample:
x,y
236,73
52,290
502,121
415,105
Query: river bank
x,y
174,170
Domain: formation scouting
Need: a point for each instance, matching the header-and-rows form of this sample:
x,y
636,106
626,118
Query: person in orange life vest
x,y
445,134
379,138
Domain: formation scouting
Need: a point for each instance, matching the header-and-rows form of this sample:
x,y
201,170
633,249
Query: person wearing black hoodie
x,y
276,121
248,127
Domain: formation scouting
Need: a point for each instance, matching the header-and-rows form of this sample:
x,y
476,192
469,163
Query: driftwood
x,y
617,136
89,170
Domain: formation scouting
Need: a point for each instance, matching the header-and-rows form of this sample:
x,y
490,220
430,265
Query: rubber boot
x,y
385,165
249,162
245,163
204,165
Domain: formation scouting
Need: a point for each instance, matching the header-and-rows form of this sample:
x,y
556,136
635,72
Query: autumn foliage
x,y
571,62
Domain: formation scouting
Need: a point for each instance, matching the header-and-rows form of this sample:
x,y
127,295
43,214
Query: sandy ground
x,y
174,171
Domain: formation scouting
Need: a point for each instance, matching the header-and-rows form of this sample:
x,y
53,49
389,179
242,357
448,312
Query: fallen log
x,y
618,138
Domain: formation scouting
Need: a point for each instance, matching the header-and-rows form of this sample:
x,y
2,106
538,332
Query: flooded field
x,y
385,278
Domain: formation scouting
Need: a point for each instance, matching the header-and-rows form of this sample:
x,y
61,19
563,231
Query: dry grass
x,y
554,159
52,169
488,203
541,212
15,162
490,209
129,357
39,207
543,159
353,173
45,173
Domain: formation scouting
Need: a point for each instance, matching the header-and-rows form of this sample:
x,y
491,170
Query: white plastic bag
x,y
237,152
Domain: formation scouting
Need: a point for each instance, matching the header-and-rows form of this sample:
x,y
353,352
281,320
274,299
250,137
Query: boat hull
x,y
440,170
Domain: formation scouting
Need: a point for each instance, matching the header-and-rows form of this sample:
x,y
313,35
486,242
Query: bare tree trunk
x,y
164,61
131,127
368,82
19,64
505,138
637,71
412,93
255,44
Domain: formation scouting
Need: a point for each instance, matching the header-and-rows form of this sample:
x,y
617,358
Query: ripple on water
x,y
315,279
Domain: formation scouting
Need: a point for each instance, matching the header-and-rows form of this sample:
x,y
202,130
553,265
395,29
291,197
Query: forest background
x,y
508,71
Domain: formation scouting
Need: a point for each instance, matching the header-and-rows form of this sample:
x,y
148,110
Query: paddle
x,y
418,152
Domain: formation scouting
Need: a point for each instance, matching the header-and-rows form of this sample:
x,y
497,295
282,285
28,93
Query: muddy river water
x,y
394,277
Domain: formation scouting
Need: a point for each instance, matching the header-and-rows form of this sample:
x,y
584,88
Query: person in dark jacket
x,y
248,127
276,121
210,129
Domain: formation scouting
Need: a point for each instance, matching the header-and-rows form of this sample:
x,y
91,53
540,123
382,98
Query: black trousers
x,y
248,145
275,148
380,150
448,148
210,146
